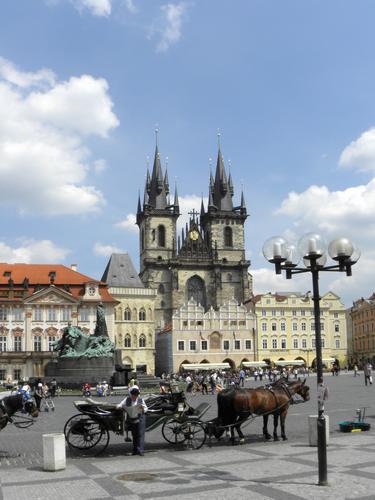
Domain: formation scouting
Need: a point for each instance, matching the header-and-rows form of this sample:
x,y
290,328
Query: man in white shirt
x,y
136,419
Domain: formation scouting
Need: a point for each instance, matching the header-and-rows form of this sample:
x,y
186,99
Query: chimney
x,y
73,267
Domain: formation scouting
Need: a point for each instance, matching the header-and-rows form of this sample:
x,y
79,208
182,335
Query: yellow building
x,y
286,328
134,314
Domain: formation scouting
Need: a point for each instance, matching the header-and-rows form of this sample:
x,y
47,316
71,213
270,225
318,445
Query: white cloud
x,y
106,250
100,8
44,160
130,5
33,251
266,280
360,154
128,224
10,73
168,27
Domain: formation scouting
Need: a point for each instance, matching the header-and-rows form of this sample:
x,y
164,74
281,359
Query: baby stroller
x,y
47,403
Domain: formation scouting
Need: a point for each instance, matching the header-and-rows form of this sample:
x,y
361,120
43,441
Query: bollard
x,y
313,430
54,457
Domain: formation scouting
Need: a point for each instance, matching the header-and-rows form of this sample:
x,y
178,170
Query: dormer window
x,y
91,290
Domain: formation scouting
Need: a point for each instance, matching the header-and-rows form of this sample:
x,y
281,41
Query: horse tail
x,y
226,414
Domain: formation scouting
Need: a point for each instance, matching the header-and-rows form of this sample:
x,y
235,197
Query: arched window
x,y
142,341
228,239
161,236
142,315
128,341
195,288
127,314
161,288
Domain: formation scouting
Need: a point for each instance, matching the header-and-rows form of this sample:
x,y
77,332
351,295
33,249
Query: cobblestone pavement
x,y
255,470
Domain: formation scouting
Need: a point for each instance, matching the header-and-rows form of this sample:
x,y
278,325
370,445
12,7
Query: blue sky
x,y
83,84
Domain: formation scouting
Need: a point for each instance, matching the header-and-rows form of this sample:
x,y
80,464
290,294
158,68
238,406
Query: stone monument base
x,y
74,372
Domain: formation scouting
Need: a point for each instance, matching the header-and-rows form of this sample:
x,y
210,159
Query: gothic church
x,y
207,261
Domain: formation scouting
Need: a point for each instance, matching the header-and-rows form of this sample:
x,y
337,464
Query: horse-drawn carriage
x,y
180,423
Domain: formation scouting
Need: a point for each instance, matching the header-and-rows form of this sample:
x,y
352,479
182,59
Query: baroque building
x,y
37,301
207,260
362,325
286,328
134,314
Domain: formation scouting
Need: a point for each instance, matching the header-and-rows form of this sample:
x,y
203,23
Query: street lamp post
x,y
286,257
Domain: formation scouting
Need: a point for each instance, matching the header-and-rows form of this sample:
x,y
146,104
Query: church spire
x,y
222,188
175,201
157,192
139,207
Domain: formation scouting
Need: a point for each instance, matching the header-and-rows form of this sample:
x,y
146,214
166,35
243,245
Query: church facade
x,y
207,260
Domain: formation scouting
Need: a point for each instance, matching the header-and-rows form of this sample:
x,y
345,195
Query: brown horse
x,y
236,405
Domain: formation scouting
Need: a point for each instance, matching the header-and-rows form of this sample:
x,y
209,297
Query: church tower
x,y
157,236
206,262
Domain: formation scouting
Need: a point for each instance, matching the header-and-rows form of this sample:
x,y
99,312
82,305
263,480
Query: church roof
x,y
121,272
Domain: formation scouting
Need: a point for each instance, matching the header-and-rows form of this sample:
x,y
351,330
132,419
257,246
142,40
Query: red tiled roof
x,y
39,274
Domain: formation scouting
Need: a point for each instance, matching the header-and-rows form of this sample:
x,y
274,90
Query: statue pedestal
x,y
74,372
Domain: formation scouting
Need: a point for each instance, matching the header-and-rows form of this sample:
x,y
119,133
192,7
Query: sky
x,y
289,84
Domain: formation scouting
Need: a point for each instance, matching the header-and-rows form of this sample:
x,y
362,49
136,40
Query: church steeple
x,y
158,186
222,188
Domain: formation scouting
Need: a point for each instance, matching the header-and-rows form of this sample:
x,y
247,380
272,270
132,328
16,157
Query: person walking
x,y
136,420
38,394
242,377
355,369
368,373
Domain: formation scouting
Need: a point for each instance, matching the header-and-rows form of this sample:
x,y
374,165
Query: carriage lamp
x,y
312,249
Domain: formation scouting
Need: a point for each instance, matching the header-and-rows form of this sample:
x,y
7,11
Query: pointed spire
x,y
148,181
157,192
175,201
145,199
166,181
222,195
139,207
230,184
202,207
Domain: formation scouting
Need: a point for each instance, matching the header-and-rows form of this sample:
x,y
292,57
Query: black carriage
x,y
180,423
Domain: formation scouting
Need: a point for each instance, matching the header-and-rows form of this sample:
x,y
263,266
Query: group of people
x,y
41,390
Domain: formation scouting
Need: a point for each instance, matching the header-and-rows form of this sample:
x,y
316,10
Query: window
x,y
313,343
264,344
127,314
283,343
127,341
273,327
84,314
17,344
18,314
51,340
313,326
264,327
274,343
204,345
161,236
273,312
337,343
228,238
294,327
304,344
295,343
142,315
3,344
264,312
303,326
303,312
38,314
17,374
2,374
181,345
37,343
237,345
335,315
161,289
294,312
337,328
3,313
192,345
282,325
142,341
248,344
226,345
51,314
322,326
323,343
66,313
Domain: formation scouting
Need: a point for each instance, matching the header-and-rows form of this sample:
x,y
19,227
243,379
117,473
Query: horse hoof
x,y
267,437
285,438
275,438
242,440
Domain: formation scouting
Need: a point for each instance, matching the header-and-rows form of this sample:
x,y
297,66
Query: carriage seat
x,y
199,411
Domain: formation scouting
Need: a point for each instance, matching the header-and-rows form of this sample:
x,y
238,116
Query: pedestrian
x,y
136,408
256,373
38,394
204,384
53,387
242,378
189,383
355,369
261,373
368,373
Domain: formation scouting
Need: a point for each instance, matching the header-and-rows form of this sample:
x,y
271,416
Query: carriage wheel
x,y
195,434
172,432
83,433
